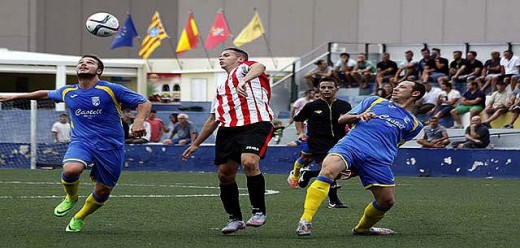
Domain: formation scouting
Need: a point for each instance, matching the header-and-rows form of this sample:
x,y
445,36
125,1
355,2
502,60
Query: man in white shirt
x,y
61,130
343,69
448,100
509,66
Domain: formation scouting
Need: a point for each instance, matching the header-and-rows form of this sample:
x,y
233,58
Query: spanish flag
x,y
153,38
189,36
252,31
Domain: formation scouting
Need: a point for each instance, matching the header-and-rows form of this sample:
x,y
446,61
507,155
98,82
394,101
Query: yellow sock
x,y
370,217
298,164
316,193
71,189
91,205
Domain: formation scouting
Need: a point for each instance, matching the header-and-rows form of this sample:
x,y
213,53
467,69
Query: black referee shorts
x,y
233,141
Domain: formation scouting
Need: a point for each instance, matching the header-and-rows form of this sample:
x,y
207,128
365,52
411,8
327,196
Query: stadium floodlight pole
x,y
34,144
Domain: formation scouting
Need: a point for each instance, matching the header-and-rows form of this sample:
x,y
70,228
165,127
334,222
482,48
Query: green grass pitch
x,y
164,209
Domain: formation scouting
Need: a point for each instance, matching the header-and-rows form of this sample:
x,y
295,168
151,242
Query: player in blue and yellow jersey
x,y
380,127
97,138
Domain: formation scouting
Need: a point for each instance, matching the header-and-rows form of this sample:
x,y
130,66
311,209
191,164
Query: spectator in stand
x,y
491,71
157,127
426,65
407,70
184,130
343,69
435,135
497,105
473,100
448,100
61,129
322,70
128,118
131,139
455,66
428,103
477,135
515,107
470,70
299,103
509,68
440,69
173,122
363,71
386,69
388,90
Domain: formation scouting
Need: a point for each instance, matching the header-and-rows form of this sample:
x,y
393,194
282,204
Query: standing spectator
x,y
185,131
491,71
435,135
407,70
509,68
128,118
323,132
299,103
343,69
61,130
363,71
157,127
477,135
515,107
386,69
322,70
448,100
498,104
428,103
473,100
97,135
242,111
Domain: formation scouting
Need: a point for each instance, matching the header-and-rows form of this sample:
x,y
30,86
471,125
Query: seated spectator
x,y
278,131
385,92
490,71
157,127
386,69
439,70
470,70
477,135
448,100
322,70
299,103
473,100
140,140
515,107
173,122
407,70
428,103
435,135
454,67
510,65
498,104
426,65
343,70
363,71
184,132
61,129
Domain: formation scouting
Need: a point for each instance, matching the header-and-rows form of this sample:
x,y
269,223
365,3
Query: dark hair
x,y
64,115
436,49
433,118
447,84
473,53
308,91
425,50
328,79
474,84
153,111
509,51
345,54
410,52
101,66
240,52
319,61
419,87
459,52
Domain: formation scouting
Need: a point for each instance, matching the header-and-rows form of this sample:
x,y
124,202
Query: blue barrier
x,y
280,159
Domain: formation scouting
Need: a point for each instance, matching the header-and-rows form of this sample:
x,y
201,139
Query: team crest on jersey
x,y
318,111
95,101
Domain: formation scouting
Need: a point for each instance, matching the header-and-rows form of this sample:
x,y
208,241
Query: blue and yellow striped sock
x,y
316,193
373,213
298,164
71,186
92,204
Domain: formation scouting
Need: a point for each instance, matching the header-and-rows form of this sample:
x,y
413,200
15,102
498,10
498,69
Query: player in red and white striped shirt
x,y
242,111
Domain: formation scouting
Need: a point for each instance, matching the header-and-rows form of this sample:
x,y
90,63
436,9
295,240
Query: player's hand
x,y
138,129
6,98
367,116
241,88
191,149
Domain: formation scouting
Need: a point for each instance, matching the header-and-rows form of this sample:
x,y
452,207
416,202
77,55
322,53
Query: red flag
x,y
218,33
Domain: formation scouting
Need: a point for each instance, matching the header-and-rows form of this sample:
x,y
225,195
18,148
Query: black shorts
x,y
233,141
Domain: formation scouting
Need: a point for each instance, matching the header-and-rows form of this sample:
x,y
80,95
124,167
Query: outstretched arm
x,y
36,95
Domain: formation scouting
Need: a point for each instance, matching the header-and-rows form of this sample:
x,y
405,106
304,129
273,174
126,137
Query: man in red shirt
x,y
242,113
156,126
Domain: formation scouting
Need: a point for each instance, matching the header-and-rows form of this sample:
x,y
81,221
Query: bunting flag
x,y
218,33
252,31
125,36
189,36
153,38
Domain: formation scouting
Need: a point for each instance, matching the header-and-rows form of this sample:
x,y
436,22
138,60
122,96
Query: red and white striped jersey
x,y
232,110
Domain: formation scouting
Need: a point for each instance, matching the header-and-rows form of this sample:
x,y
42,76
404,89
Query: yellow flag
x,y
153,38
252,31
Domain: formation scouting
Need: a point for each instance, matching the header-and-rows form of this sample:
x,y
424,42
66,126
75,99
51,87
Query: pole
x,y
206,52
34,143
174,53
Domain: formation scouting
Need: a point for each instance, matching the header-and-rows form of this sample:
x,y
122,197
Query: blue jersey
x,y
96,112
380,137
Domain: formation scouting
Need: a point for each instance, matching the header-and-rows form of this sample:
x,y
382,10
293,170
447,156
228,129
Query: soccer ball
x,y
102,24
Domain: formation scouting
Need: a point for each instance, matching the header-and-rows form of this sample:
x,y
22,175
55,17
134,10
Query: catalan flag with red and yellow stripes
x,y
153,38
189,36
